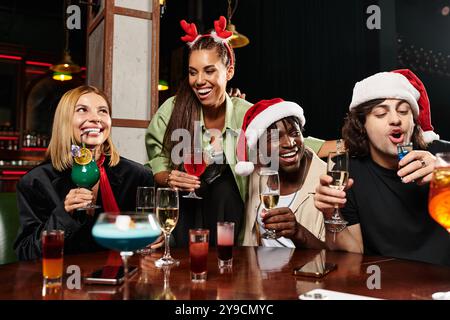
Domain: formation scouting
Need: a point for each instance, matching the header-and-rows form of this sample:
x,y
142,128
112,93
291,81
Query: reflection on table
x,y
258,273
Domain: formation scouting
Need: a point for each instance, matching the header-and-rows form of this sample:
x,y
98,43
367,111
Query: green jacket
x,y
234,115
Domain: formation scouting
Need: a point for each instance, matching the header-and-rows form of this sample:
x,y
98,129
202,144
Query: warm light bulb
x,y
62,76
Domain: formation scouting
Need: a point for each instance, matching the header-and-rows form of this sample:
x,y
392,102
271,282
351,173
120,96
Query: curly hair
x,y
355,135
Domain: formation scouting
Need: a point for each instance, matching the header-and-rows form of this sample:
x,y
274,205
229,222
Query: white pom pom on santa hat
x,y
400,84
256,121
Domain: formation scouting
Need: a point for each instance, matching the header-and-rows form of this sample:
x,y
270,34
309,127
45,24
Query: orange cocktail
x,y
439,199
52,254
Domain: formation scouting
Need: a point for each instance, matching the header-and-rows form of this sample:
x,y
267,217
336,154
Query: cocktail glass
x,y
125,232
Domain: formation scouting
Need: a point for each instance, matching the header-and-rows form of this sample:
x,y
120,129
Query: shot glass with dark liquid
x,y
225,242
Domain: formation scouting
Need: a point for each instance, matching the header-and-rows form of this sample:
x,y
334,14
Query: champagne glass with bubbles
x,y
269,193
145,204
167,206
337,168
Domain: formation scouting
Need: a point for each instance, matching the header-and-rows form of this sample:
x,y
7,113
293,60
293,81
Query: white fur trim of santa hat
x,y
244,168
269,116
385,85
430,136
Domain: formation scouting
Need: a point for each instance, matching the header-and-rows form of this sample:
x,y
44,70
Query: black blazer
x,y
40,198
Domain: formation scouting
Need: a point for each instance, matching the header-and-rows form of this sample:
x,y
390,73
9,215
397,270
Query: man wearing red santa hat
x,y
295,220
385,203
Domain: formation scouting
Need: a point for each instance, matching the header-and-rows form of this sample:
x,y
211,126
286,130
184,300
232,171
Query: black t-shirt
x,y
393,216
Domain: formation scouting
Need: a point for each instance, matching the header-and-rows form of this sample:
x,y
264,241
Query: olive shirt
x,y
234,115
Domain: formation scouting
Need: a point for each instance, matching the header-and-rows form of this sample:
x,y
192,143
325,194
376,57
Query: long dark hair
x,y
355,134
187,107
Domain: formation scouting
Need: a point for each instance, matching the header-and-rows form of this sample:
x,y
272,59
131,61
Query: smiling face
x,y
388,124
208,77
290,146
92,120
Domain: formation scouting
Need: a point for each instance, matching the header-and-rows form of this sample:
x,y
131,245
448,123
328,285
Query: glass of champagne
x,y
167,206
269,193
337,168
145,204
194,163
439,197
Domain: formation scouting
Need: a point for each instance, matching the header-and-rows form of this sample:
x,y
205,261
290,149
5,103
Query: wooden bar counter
x,y
258,274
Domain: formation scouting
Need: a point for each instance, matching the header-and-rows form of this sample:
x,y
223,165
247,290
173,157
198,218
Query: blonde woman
x,y
47,197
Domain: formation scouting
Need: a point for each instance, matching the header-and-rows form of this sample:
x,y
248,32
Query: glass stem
x,y
167,246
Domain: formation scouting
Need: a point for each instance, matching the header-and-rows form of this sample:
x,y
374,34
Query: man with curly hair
x,y
385,201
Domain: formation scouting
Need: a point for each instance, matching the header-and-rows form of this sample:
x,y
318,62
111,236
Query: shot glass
x,y
403,149
52,256
198,252
225,242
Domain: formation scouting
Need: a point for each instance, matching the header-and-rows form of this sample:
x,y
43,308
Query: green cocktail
x,y
85,176
85,172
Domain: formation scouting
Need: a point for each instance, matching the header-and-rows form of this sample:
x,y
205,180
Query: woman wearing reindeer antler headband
x,y
202,98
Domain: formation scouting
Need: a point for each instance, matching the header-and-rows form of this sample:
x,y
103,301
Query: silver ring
x,y
423,163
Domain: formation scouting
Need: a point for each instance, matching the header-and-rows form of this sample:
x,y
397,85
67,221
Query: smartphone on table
x,y
111,275
314,271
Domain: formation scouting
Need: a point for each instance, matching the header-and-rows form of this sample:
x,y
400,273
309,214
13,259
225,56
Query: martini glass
x,y
125,232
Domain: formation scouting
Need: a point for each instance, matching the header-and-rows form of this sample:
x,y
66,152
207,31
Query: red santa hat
x,y
256,121
399,84
424,119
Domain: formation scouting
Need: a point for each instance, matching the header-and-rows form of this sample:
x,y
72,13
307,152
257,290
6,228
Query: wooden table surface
x,y
258,273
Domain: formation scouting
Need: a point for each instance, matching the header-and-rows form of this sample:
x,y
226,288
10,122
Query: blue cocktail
x,y
125,232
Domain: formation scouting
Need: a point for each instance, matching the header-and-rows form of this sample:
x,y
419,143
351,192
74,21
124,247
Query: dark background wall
x,y
313,51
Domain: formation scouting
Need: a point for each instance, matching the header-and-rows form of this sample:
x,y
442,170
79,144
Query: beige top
x,y
303,206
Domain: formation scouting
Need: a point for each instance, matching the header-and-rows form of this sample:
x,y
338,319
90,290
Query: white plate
x,y
322,294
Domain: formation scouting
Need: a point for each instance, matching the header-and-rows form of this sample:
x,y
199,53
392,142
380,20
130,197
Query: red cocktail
x,y
198,252
194,163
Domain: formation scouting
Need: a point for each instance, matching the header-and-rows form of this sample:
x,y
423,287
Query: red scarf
x,y
108,199
109,205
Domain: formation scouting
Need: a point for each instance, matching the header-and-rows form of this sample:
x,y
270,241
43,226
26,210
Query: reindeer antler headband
x,y
219,34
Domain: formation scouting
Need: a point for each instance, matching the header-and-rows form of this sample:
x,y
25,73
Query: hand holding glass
x,y
337,168
194,163
85,172
269,193
439,198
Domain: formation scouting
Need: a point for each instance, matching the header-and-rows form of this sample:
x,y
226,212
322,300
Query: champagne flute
x,y
337,168
145,204
194,163
439,197
167,206
269,193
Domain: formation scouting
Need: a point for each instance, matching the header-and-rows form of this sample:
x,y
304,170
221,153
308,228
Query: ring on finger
x,y
423,163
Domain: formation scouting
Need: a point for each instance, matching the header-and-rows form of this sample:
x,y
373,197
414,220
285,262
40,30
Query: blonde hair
x,y
59,149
